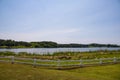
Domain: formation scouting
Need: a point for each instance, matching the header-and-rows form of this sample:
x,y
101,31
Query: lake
x,y
52,50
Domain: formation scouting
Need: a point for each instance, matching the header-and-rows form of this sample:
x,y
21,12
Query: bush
x,y
7,53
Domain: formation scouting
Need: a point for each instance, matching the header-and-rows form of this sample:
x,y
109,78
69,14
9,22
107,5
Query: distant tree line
x,y
47,44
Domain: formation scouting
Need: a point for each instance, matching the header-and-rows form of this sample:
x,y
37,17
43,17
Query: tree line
x,y
47,44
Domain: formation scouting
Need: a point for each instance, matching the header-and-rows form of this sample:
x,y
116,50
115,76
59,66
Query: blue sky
x,y
62,21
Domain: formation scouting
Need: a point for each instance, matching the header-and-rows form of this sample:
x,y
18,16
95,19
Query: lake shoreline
x,y
53,50
66,55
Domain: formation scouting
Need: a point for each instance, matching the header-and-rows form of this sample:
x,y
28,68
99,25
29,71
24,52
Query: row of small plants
x,y
65,55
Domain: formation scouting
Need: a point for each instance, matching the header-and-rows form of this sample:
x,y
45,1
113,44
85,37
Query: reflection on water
x,y
52,50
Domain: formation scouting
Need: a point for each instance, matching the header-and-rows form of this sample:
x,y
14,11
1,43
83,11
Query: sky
x,y
61,21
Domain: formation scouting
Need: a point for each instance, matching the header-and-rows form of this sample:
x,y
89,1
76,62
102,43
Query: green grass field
x,y
27,72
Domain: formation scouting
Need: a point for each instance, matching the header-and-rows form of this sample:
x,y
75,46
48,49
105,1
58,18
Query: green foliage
x,y
13,44
44,44
47,44
7,53
89,55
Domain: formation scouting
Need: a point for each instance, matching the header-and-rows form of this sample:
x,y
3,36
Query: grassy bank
x,y
27,72
66,55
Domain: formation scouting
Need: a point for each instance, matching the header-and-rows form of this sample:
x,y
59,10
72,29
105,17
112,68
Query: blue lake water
x,y
52,50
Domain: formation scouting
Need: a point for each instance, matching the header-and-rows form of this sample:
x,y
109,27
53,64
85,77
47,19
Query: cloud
x,y
63,21
50,34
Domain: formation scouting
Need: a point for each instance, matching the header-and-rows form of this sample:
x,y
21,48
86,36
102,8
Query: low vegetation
x,y
27,72
16,71
66,55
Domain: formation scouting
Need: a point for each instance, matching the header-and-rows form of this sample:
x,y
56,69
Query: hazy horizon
x,y
61,21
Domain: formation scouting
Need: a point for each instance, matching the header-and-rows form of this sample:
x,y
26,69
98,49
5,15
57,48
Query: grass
x,y
109,72
61,63
27,72
66,55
